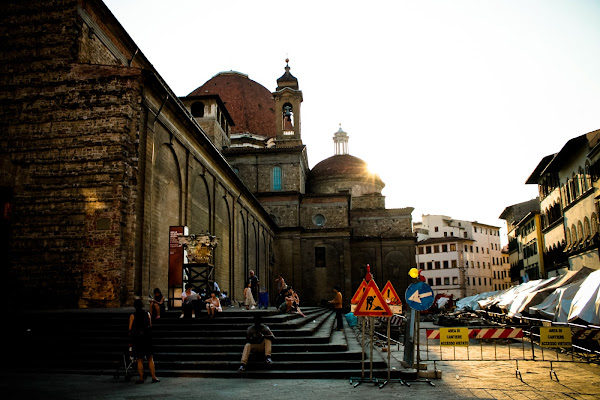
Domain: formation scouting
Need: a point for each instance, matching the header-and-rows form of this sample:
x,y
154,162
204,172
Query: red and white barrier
x,y
484,333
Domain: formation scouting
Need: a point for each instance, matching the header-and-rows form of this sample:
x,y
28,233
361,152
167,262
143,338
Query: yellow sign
x,y
552,336
372,304
454,336
389,294
359,292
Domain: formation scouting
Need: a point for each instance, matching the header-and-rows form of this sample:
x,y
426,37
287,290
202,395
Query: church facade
x,y
99,158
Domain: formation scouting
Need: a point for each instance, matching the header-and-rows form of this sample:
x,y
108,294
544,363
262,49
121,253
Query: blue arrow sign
x,y
419,296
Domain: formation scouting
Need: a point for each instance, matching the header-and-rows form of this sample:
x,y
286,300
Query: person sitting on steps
x,y
213,304
258,338
157,304
292,302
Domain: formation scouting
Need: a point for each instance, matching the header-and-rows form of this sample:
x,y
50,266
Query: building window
x,y
478,266
319,220
453,247
438,281
277,178
421,250
430,281
446,264
444,248
437,265
429,265
436,248
428,249
479,281
455,280
471,249
476,249
436,229
197,109
454,264
466,248
320,257
467,264
421,265
465,234
446,281
445,234
468,280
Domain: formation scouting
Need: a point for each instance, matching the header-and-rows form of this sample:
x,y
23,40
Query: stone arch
x,y
200,206
568,236
262,260
166,212
359,263
574,233
587,230
328,274
252,252
594,224
223,250
241,252
580,235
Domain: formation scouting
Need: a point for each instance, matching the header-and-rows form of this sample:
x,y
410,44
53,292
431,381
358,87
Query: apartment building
x,y
458,257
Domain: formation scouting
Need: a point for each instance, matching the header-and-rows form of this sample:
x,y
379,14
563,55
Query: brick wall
x,y
71,130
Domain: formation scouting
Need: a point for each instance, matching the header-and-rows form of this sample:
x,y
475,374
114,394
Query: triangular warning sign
x,y
359,292
372,304
389,294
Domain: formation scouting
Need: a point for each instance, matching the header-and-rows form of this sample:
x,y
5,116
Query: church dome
x,y
249,103
344,172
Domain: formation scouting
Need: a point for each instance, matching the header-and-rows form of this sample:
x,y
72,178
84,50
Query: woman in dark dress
x,y
140,325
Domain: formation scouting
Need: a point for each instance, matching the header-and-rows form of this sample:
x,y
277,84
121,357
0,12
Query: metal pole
x,y
418,334
389,351
371,355
363,348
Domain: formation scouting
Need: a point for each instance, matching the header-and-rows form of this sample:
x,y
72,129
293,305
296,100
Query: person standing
x,y
258,338
248,299
253,280
140,333
337,303
280,283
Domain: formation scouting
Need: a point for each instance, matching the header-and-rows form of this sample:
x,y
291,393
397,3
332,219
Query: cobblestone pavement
x,y
460,380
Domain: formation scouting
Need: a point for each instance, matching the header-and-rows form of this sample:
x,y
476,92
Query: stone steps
x,y
94,342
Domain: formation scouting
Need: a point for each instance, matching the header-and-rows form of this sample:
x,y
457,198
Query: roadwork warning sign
x,y
552,336
454,336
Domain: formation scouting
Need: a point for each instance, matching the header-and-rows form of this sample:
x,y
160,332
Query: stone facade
x,y
99,158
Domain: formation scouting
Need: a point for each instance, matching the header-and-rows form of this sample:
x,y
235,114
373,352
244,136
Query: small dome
x,y
249,103
345,170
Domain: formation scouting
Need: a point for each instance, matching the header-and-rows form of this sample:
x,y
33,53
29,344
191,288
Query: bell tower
x,y
288,98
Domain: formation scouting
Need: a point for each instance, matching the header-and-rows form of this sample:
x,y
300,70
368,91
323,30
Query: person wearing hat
x,y
258,338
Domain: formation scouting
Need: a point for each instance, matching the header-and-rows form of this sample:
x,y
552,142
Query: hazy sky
x,y
453,103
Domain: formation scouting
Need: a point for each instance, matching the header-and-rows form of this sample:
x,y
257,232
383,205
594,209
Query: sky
x,y
452,103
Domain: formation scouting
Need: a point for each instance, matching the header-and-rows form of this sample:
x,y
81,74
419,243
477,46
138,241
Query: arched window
x,y
288,119
580,235
198,109
568,238
576,188
586,228
588,176
594,224
574,233
277,181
